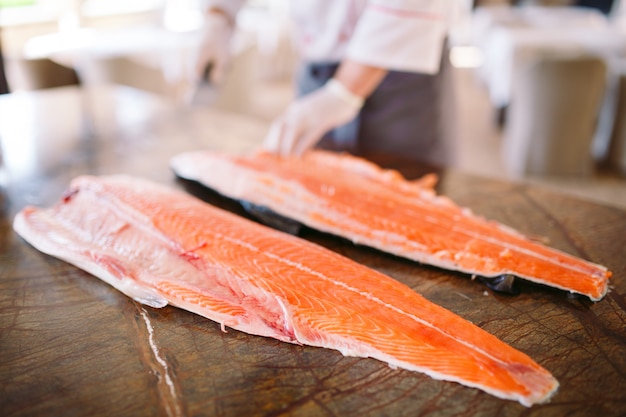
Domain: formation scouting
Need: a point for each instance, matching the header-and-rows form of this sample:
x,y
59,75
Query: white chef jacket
x,y
402,35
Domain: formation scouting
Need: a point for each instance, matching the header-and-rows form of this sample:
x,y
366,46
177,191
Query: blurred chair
x,y
617,147
4,84
552,117
37,74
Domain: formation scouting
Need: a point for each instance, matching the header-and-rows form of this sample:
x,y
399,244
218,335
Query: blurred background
x,y
539,87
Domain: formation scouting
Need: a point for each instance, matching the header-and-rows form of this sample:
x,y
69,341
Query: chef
x,y
371,78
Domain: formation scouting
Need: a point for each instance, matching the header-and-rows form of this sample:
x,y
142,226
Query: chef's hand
x,y
308,118
214,48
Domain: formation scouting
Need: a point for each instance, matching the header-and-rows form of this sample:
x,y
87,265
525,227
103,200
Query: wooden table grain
x,y
71,345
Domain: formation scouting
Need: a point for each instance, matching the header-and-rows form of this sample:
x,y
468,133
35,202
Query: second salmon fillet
x,y
353,198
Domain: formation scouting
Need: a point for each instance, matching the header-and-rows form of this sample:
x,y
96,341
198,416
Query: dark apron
x,y
402,117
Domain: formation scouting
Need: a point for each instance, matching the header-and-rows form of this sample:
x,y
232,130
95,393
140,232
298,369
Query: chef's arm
x,y
213,11
359,79
308,118
227,8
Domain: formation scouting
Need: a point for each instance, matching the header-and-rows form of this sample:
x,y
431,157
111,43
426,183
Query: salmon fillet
x,y
161,246
353,198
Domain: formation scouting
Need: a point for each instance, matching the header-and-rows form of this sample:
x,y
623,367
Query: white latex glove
x,y
214,48
308,118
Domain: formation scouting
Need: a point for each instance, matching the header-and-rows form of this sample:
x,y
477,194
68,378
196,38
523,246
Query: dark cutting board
x,y
71,345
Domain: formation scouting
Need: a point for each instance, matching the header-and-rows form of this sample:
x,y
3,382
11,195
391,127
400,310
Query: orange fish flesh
x,y
161,246
353,198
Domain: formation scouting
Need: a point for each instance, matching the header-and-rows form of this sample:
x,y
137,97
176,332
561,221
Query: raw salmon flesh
x,y
353,198
161,246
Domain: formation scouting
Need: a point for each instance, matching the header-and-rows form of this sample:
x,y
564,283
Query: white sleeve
x,y
403,35
231,7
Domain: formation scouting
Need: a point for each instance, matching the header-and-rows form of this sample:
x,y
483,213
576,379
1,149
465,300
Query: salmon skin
x,y
355,199
161,246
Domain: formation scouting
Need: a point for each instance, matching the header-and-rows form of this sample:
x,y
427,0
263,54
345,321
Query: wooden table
x,y
71,345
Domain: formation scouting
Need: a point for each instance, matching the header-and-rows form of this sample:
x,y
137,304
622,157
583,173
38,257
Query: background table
x,y
512,38
71,345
